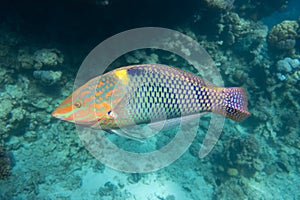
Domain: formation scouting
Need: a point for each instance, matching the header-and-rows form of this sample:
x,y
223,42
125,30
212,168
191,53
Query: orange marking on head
x,y
95,103
88,99
106,106
98,106
85,92
63,108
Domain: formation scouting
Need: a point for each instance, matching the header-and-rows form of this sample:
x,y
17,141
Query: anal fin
x,y
124,134
171,123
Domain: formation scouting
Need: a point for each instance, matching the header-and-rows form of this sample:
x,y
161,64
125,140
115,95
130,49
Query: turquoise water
x,y
42,46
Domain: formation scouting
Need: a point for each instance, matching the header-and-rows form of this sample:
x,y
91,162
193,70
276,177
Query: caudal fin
x,y
234,104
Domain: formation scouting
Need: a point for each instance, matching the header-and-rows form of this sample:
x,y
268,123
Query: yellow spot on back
x,y
122,75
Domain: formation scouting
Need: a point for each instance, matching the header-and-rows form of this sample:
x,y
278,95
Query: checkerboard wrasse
x,y
141,94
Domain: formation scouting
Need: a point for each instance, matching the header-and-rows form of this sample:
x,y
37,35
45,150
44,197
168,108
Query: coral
x,y
5,163
25,59
141,56
244,47
243,151
48,77
231,27
74,182
257,9
134,178
287,70
283,66
6,107
17,110
47,57
239,157
283,36
287,64
246,34
221,4
43,58
108,189
231,190
232,172
5,110
112,191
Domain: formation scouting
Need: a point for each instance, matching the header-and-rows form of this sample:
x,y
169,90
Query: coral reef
x,y
243,49
111,191
287,64
256,9
245,34
5,163
283,36
252,9
287,67
48,77
47,57
243,155
43,58
232,190
233,28
240,157
221,4
12,114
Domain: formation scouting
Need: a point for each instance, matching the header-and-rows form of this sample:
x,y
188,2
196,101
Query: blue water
x,y
43,45
290,13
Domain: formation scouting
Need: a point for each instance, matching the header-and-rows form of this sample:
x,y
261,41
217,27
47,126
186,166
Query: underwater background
x,y
255,45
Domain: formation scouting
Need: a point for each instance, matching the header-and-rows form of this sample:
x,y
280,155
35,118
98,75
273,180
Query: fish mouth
x,y
56,115
71,119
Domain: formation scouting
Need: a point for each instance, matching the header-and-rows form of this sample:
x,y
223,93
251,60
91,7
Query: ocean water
x,y
45,52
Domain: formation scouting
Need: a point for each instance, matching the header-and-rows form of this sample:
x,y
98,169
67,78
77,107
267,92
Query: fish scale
x,y
170,97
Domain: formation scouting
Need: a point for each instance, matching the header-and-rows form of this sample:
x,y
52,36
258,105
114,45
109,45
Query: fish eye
x,y
77,104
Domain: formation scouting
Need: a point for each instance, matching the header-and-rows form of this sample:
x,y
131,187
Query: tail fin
x,y
234,104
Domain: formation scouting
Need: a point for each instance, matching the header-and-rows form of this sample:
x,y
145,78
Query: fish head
x,y
89,105
76,109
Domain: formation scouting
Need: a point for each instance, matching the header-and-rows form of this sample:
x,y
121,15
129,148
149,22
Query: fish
x,y
148,93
